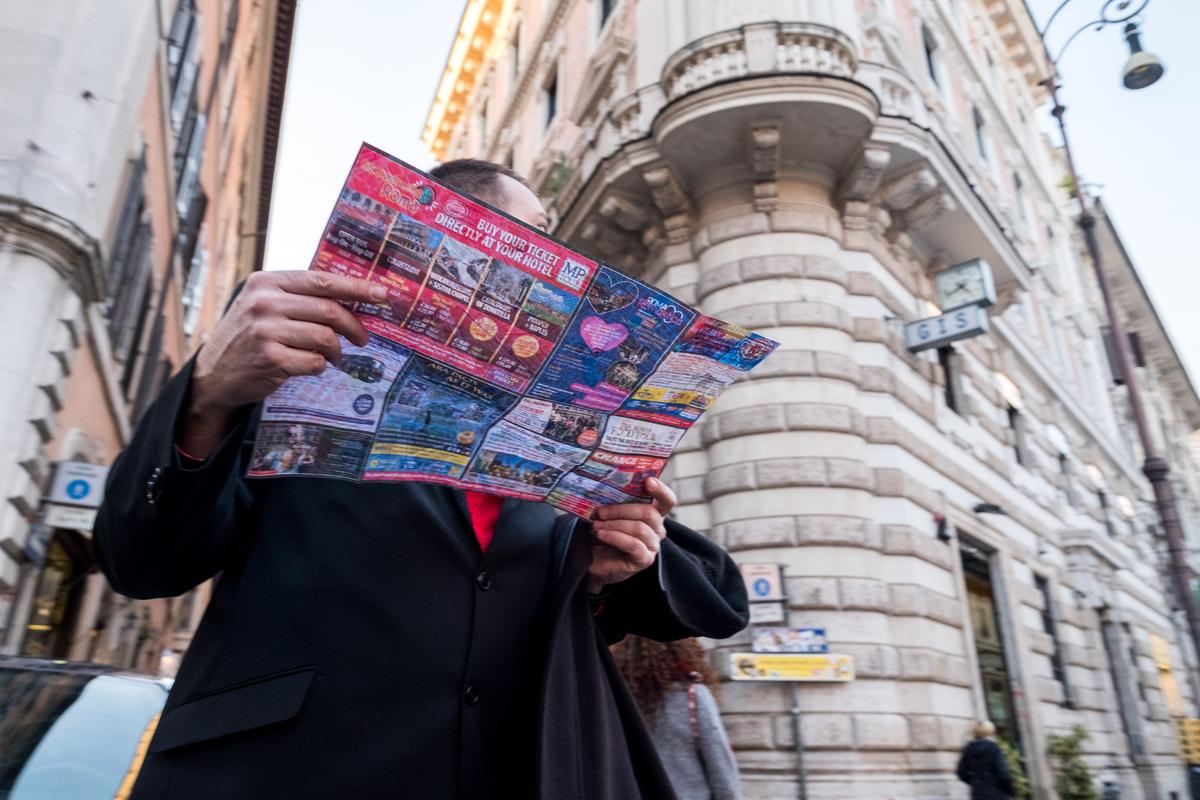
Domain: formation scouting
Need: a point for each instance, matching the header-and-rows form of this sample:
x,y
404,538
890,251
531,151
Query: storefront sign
x,y
789,640
763,581
791,667
961,323
78,519
766,613
78,483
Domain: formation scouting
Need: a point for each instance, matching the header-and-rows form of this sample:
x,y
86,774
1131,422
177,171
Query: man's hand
x,y
282,324
628,536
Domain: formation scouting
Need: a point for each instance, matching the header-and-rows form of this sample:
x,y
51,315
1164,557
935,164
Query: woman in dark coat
x,y
984,767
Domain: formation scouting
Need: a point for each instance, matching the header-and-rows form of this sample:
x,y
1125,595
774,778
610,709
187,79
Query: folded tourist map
x,y
503,361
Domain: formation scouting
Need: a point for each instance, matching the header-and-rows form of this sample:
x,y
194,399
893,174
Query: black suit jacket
x,y
359,644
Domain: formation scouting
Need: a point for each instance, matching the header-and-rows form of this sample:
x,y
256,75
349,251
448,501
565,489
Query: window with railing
x,y
183,59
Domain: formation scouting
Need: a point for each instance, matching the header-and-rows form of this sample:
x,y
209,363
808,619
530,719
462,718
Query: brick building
x,y
969,523
136,162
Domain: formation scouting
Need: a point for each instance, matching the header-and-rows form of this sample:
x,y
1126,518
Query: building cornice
x,y
477,29
281,53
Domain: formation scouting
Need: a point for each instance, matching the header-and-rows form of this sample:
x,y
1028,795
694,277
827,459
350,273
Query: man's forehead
x,y
518,200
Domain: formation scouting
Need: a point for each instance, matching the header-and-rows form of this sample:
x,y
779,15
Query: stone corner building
x,y
803,167
136,162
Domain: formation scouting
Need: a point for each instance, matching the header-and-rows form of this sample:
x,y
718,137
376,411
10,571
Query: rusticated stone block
x,y
787,362
890,482
688,490
718,278
748,731
736,226
752,533
821,530
821,417
827,731
729,478
958,671
871,660
811,314
778,472
870,329
881,731
780,265
876,379
925,731
850,473
826,269
863,594
1040,641
758,315
941,608
756,419
922,664
955,732
836,365
812,592
881,430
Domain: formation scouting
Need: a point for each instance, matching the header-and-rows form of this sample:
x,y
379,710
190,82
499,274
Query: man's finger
x,y
661,495
308,336
325,312
638,512
631,546
335,287
639,530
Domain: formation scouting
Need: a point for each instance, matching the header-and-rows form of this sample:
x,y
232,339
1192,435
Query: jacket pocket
x,y
240,708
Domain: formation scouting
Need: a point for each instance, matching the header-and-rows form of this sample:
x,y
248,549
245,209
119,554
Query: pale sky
x,y
370,76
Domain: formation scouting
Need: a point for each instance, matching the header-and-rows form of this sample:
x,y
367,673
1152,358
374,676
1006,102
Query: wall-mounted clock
x,y
967,284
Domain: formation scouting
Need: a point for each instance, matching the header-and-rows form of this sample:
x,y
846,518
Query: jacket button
x,y
484,581
153,489
471,695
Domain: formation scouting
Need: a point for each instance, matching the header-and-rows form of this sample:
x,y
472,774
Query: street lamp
x,y
1141,70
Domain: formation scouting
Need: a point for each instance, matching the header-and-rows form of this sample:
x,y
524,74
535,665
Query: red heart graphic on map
x,y
599,335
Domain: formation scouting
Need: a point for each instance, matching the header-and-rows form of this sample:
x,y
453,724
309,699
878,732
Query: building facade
x,y
135,173
969,523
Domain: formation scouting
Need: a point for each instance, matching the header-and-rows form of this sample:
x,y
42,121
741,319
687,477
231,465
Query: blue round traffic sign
x,y
77,489
762,587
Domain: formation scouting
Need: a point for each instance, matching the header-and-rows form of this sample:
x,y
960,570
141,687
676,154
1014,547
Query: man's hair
x,y
477,177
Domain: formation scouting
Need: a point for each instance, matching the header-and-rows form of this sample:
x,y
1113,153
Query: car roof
x,y
88,668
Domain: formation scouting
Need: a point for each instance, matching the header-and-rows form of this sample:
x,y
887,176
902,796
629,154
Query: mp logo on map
x,y
572,274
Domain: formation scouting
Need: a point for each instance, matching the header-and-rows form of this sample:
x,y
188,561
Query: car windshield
x,y
70,735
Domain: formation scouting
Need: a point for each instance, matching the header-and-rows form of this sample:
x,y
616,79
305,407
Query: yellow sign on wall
x,y
1189,738
791,667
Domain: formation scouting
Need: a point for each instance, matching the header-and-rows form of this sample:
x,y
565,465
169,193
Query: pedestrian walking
x,y
983,766
672,683
392,639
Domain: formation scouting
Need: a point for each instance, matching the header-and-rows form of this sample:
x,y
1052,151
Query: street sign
x,y
789,640
766,613
827,668
962,323
70,517
763,581
78,483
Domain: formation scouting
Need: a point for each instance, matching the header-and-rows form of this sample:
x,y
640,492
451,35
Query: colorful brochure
x,y
502,361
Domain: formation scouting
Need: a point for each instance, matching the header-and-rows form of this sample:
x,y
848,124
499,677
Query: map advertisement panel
x,y
502,360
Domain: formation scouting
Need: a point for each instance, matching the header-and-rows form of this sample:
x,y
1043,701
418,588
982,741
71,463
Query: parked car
x,y
76,731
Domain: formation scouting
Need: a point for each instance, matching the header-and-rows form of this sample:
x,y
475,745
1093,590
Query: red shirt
x,y
485,510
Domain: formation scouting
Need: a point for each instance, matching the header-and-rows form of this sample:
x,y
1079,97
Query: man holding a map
x,y
367,456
